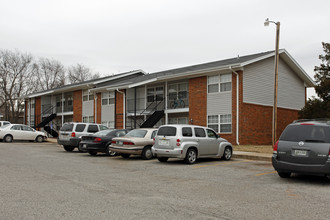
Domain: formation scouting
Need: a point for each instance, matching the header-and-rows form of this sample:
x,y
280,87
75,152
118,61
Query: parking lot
x,y
42,181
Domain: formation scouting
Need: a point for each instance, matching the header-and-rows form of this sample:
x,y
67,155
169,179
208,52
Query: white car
x,y
11,132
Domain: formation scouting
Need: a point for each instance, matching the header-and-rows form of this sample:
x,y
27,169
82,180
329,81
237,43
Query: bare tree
x,y
80,73
49,74
16,71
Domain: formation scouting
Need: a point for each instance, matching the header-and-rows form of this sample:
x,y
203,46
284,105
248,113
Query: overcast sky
x,y
112,36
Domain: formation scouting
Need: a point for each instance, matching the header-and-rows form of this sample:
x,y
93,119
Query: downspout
x,y
237,105
124,110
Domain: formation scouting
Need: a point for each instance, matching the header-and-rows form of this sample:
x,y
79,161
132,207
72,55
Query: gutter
x,y
237,105
124,110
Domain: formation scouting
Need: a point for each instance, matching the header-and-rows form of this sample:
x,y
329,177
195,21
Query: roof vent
x,y
237,56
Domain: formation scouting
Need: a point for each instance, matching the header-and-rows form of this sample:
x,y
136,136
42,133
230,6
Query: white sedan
x,y
11,132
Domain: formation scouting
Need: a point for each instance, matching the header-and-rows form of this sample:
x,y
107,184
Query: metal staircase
x,y
153,119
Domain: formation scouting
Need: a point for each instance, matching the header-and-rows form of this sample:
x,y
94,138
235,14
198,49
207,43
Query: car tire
x,y
227,153
147,153
8,138
125,155
284,174
109,153
39,139
68,148
191,156
93,153
162,159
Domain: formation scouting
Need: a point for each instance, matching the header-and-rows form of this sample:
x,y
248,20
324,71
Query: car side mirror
x,y
218,136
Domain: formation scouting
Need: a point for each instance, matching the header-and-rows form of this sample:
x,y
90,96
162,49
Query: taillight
x,y
97,139
153,141
178,142
113,142
73,134
275,147
128,143
306,124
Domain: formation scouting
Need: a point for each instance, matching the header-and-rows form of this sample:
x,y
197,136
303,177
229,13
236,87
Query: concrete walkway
x,y
236,154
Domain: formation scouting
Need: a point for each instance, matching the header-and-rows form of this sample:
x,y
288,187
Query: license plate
x,y
300,153
163,142
84,146
119,142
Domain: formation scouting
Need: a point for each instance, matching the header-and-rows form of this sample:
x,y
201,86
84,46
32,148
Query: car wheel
x,y
68,148
191,156
284,174
147,153
93,153
8,138
110,153
162,159
39,139
227,153
125,155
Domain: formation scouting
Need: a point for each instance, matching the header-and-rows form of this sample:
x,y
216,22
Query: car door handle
x,y
197,140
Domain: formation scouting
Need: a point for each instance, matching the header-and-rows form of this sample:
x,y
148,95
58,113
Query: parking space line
x,y
220,164
262,174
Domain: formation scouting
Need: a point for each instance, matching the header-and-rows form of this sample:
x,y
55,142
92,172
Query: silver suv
x,y
70,133
304,147
189,142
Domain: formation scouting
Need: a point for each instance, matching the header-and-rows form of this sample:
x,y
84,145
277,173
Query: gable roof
x,y
200,69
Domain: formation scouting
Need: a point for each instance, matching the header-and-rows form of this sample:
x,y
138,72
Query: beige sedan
x,y
136,142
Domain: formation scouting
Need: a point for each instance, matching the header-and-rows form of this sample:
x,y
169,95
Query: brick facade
x,y
37,110
77,106
119,121
198,101
98,108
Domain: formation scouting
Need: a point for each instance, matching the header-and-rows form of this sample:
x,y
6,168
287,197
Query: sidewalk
x,y
236,154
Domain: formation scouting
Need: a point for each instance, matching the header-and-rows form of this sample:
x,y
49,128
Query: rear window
x,y
306,133
67,127
137,133
166,131
92,128
80,127
103,133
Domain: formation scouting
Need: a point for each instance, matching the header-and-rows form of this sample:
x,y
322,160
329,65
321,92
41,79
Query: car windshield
x,y
67,127
103,133
137,133
167,131
306,133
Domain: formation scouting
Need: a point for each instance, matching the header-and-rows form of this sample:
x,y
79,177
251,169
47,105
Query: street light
x,y
267,21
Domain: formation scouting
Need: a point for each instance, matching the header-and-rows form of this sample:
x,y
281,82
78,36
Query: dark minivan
x,y
304,147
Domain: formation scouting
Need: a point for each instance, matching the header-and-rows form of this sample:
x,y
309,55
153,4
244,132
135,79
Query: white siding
x,y
107,112
219,103
140,99
258,85
88,108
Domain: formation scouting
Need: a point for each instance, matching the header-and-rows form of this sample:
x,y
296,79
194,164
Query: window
x,y
199,132
155,94
181,121
80,127
108,98
87,96
213,122
211,134
88,119
26,128
16,127
225,123
167,131
220,123
102,127
213,84
222,82
109,124
92,128
120,133
153,134
225,82
186,132
178,91
137,133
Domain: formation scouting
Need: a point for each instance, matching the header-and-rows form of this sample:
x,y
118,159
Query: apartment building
x,y
232,96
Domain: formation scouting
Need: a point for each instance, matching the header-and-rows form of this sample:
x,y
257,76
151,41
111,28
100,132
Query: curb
x,y
252,156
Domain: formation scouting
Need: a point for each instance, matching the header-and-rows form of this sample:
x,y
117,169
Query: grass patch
x,y
267,149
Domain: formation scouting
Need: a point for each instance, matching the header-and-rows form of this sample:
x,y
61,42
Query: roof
x,y
86,84
227,64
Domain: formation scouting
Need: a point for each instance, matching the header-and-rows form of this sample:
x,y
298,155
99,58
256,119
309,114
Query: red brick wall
x,y
256,123
98,111
77,106
26,111
198,100
119,122
38,110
